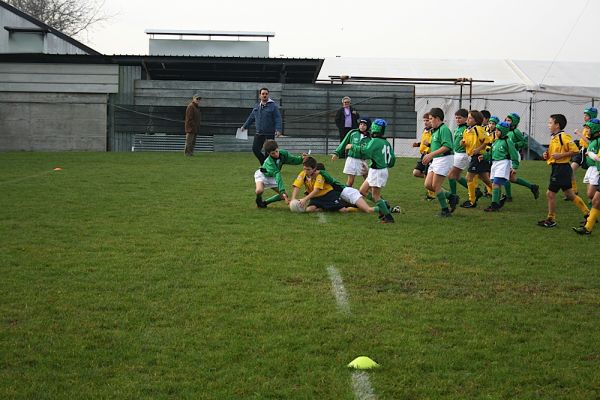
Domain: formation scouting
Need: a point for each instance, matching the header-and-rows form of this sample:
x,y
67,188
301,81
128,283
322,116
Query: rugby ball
x,y
296,206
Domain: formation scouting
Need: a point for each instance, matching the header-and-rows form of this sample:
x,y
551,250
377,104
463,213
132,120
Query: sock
x,y
447,195
574,184
382,207
523,182
551,216
591,221
489,188
369,196
431,193
273,199
376,209
508,188
496,195
581,205
463,182
352,209
452,183
471,186
441,196
259,197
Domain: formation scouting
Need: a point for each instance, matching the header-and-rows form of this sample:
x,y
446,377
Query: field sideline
x,y
152,275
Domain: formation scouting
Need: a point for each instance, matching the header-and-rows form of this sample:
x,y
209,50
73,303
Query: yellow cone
x,y
363,362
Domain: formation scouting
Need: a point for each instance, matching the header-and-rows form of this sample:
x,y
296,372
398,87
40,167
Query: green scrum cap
x,y
594,125
494,119
503,127
592,112
514,117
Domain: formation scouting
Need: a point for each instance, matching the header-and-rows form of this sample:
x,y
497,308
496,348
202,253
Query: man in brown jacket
x,y
192,124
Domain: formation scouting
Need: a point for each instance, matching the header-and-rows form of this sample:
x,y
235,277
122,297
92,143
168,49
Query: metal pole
x,y
327,116
394,121
530,126
470,93
461,96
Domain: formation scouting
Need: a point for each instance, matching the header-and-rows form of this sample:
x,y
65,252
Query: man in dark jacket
x,y
346,119
267,118
192,124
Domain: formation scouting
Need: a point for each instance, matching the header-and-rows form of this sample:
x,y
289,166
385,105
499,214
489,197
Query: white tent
x,y
533,89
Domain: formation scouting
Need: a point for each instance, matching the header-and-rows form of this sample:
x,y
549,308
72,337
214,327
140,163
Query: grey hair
x,y
346,98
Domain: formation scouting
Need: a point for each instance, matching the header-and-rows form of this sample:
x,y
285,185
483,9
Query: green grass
x,y
140,275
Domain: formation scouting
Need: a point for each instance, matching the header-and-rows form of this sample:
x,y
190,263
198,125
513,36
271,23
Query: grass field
x,y
141,275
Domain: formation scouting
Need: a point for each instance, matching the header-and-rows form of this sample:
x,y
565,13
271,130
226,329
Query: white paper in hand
x,y
241,134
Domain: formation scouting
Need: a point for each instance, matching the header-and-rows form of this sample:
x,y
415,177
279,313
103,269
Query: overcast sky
x,y
465,29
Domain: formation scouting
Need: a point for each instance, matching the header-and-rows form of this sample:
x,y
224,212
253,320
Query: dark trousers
x,y
257,146
190,143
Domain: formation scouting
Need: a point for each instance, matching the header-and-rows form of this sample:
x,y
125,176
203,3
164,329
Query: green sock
x,y
523,182
508,188
496,195
441,196
447,195
382,207
376,209
463,182
369,196
452,183
273,199
259,197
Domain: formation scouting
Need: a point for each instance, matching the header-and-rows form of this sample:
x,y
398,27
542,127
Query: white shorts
x,y
268,181
441,165
501,169
350,195
377,177
591,176
355,166
461,161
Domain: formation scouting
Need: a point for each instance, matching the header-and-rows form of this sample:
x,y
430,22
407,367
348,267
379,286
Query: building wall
x,y
21,43
214,48
308,110
55,107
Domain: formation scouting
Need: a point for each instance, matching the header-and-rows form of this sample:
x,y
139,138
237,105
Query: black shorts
x,y
421,167
329,202
479,167
560,179
580,158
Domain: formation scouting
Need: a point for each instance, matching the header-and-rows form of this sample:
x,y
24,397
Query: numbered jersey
x,y
380,152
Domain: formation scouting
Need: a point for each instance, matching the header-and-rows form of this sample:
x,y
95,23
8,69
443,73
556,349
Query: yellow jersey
x,y
474,137
560,143
585,132
425,137
312,183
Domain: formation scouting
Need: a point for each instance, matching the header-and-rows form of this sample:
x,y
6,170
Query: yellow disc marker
x,y
363,362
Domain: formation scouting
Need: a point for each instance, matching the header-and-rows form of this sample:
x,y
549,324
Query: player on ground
x,y
268,176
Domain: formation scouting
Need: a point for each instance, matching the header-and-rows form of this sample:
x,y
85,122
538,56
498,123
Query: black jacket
x,y
339,118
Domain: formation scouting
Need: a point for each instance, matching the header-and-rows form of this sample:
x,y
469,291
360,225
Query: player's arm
x,y
514,154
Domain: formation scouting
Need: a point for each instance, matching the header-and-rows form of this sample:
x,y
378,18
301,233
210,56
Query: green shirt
x,y
594,146
504,149
517,138
458,137
379,151
442,136
272,166
353,137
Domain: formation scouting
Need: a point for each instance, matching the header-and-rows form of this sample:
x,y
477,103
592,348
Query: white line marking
x,y
339,292
322,218
362,386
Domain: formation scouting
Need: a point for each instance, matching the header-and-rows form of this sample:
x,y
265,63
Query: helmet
x,y
594,125
503,127
592,112
378,127
494,119
365,120
514,117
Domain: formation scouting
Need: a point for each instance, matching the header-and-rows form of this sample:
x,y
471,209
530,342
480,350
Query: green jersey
x,y
504,149
517,138
593,147
379,151
272,166
337,185
353,137
442,136
458,137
